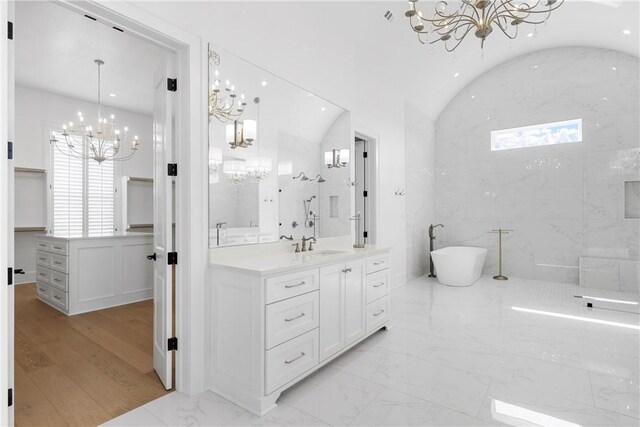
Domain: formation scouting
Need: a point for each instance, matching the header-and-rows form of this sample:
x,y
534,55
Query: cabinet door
x,y
355,301
331,310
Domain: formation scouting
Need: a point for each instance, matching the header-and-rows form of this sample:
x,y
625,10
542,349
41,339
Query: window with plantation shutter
x,y
82,194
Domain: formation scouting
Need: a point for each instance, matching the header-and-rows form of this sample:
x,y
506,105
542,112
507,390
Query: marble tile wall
x,y
420,188
563,201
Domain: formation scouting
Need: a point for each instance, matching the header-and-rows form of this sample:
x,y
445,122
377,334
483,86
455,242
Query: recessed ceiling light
x,y
604,98
113,95
626,32
614,68
322,109
473,97
535,67
264,83
456,74
530,35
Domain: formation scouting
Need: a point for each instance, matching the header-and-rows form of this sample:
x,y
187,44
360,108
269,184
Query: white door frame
x,y
6,215
373,175
191,190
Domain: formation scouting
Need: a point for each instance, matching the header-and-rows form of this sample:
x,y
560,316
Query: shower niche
x,y
632,200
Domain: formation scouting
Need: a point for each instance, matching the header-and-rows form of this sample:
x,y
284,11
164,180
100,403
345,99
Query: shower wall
x,y
562,201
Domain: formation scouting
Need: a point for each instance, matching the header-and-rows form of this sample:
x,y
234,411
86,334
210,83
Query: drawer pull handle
x,y
302,354
293,286
378,285
58,248
57,262
42,259
378,313
42,290
57,297
57,280
294,318
347,270
378,263
43,274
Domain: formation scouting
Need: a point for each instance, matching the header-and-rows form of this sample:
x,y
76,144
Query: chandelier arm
x,y
504,30
458,41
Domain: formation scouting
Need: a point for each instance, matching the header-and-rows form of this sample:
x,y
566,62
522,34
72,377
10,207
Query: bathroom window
x,y
537,135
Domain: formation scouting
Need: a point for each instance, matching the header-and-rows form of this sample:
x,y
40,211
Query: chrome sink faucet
x,y
311,240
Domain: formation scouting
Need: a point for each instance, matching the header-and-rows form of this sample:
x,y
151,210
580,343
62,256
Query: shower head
x,y
302,177
318,178
309,200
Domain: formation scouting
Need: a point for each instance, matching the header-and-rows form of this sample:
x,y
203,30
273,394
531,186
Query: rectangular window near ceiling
x,y
82,193
537,135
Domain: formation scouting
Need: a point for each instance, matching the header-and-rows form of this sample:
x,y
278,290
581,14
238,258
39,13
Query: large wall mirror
x,y
279,158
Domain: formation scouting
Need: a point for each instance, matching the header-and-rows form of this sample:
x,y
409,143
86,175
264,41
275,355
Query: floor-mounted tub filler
x,y
459,265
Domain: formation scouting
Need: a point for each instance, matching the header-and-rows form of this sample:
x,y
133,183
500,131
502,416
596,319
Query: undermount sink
x,y
323,253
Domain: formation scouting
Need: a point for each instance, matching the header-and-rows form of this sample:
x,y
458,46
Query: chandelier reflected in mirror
x,y
102,142
224,103
450,23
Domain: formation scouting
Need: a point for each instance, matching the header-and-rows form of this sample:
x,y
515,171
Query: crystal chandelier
x,y
452,24
223,102
101,143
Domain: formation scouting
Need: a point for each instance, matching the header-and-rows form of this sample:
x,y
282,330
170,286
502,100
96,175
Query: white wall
x,y
321,62
563,201
420,188
36,111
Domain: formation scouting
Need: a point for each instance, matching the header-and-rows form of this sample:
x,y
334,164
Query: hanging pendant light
x,y
102,142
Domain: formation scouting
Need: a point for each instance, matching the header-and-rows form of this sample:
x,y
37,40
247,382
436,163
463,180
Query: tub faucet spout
x,y
432,228
432,237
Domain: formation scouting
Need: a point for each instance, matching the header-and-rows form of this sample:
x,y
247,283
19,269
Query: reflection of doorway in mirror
x,y
365,174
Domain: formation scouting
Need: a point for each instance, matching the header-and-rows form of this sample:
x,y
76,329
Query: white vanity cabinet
x,y
269,327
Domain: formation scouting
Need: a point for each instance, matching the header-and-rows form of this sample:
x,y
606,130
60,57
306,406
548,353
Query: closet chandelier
x,y
452,24
224,104
100,144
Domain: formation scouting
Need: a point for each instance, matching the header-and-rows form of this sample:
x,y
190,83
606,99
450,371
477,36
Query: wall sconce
x,y
241,134
336,158
215,159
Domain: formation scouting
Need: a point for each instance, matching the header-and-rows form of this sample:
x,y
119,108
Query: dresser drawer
x,y
55,246
291,285
52,261
59,280
290,360
43,275
377,314
43,290
292,317
59,298
377,263
377,285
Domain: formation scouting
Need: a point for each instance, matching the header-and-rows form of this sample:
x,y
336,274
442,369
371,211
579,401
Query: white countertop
x,y
115,234
279,262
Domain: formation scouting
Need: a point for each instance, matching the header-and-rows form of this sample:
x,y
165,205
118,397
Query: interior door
x,y
6,217
162,224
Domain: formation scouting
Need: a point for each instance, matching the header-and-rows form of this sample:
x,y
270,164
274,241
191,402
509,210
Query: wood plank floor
x,y
83,369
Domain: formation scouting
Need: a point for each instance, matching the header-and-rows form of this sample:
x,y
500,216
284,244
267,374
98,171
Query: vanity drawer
x,y
290,360
43,258
377,263
377,314
292,317
377,285
291,285
59,298
56,247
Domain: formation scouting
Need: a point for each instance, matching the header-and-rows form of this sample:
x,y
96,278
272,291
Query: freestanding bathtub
x,y
458,265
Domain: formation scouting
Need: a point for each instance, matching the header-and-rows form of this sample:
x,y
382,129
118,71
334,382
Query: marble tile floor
x,y
460,356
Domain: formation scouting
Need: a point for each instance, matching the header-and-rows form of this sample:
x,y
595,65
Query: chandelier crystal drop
x,y
451,24
102,142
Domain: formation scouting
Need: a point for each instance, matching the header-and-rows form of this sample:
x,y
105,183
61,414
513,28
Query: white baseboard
x,y
27,277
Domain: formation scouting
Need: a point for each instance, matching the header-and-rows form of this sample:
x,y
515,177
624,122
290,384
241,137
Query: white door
x,y
331,310
6,217
354,301
162,225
